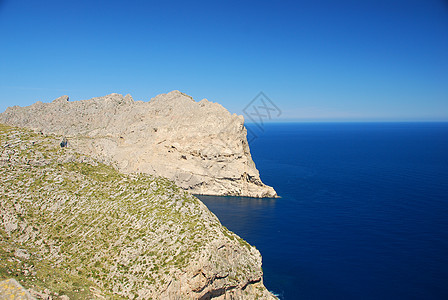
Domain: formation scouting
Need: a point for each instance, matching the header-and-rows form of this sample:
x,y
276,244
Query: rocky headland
x,y
72,227
199,145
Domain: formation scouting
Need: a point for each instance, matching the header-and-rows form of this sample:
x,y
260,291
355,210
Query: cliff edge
x,y
73,228
199,145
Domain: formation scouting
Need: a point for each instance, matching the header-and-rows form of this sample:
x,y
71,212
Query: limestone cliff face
x,y
73,227
199,145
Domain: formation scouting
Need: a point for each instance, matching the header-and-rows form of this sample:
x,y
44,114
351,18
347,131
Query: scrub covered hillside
x,y
72,226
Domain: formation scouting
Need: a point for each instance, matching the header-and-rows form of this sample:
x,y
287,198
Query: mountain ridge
x,y
199,145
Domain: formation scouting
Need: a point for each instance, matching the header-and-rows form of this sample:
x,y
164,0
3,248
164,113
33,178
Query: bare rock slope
x,y
199,145
73,227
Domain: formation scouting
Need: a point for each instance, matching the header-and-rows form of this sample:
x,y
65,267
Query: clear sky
x,y
321,60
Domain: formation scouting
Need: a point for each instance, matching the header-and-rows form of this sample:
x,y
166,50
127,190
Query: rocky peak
x,y
176,94
128,99
199,145
62,99
173,100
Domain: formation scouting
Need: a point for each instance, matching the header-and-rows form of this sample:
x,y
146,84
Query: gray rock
x,y
199,145
11,289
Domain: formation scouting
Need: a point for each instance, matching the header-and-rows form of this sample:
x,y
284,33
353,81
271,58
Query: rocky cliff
x,y
73,227
199,145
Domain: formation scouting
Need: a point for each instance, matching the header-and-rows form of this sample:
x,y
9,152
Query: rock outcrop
x,y
199,145
71,227
11,289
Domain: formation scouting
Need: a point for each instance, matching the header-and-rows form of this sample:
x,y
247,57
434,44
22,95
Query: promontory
x,y
199,145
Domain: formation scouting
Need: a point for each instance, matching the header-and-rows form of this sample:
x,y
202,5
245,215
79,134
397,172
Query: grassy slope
x,y
82,229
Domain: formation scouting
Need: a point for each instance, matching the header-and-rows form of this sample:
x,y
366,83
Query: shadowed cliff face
x,y
199,145
73,226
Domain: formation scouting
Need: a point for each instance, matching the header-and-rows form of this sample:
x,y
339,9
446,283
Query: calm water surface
x,y
363,213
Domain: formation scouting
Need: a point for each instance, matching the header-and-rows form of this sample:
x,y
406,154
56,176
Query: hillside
x,y
73,226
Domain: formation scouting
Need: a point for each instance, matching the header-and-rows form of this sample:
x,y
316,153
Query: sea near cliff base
x,y
363,213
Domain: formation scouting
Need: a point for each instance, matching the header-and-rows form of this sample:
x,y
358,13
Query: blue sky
x,y
369,60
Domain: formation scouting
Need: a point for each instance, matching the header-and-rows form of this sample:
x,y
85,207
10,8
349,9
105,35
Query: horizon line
x,y
347,121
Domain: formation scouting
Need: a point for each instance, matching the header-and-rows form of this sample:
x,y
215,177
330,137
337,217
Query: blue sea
x,y
363,212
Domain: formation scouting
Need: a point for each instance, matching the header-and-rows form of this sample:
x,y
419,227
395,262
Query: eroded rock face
x,y
73,227
199,145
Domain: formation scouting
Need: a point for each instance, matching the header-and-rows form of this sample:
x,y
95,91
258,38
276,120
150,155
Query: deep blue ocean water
x,y
363,213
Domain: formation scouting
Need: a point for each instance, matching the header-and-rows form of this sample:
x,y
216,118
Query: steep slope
x,y
198,145
72,226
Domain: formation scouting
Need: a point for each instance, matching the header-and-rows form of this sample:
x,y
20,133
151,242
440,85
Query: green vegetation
x,y
80,228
